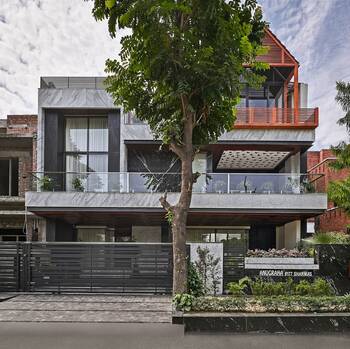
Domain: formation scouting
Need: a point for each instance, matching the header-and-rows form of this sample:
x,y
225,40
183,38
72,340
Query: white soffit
x,y
251,159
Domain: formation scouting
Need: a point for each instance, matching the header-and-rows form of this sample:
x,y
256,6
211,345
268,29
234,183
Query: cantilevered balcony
x,y
262,117
149,182
233,193
306,118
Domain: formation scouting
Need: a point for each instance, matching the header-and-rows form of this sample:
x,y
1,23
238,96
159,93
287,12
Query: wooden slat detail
x,y
276,118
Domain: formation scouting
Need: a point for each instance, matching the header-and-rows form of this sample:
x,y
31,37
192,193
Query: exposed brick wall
x,y
332,220
22,126
318,163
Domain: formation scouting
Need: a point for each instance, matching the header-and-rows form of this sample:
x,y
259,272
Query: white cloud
x,y
317,33
51,37
48,37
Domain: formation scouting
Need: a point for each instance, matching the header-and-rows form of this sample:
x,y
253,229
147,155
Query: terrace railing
x,y
72,82
262,118
147,182
276,118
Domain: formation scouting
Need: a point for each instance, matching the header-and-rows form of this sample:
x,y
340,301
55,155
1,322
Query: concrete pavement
x,y
148,336
86,308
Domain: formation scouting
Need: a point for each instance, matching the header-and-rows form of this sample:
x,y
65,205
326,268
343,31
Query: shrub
x,y
237,288
259,287
330,238
286,304
303,288
46,183
266,288
183,301
77,184
194,281
320,287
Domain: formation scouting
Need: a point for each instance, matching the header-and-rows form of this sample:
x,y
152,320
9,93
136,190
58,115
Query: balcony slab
x,y
66,201
142,132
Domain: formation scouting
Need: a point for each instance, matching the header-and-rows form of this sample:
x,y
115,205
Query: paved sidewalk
x,y
86,308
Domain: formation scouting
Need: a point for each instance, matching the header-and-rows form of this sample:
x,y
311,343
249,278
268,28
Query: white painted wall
x,y
280,237
217,250
146,233
292,234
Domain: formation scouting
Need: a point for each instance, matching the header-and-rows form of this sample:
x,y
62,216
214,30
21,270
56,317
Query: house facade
x,y
334,218
101,173
17,159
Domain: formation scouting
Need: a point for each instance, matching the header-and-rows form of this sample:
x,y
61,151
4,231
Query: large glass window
x,y
86,153
201,234
8,177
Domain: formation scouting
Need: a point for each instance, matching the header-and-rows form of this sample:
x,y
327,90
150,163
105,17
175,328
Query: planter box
x,y
267,322
282,263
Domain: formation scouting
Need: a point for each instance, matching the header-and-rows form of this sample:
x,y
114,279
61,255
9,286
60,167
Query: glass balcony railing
x,y
220,183
76,82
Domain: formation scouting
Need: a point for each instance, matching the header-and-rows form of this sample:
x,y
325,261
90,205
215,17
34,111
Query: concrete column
x,y
293,164
292,234
279,237
50,229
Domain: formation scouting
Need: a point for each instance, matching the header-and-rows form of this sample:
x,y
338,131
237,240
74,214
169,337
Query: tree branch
x,y
177,149
165,204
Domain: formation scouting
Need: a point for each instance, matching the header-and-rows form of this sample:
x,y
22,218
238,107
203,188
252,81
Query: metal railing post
x,y
128,182
228,183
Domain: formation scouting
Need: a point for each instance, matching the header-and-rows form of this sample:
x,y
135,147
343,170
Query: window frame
x,y
10,175
87,152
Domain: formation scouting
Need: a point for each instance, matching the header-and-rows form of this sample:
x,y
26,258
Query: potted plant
x,y
46,183
267,187
220,186
77,184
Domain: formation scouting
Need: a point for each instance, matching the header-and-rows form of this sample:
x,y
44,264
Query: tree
x,y
180,69
339,191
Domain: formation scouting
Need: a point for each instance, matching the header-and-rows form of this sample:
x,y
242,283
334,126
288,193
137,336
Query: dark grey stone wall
x,y
114,141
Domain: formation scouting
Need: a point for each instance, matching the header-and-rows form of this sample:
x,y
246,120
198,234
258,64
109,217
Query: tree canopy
x,y
183,54
339,191
181,69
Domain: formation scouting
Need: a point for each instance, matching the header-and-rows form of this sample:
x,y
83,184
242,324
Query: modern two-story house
x,y
101,172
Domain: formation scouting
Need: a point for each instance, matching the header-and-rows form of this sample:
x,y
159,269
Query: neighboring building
x,y
17,161
101,172
334,219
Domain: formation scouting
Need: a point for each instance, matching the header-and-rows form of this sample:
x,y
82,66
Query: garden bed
x,y
280,314
276,304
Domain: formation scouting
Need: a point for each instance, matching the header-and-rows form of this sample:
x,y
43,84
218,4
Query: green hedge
x,y
285,304
258,287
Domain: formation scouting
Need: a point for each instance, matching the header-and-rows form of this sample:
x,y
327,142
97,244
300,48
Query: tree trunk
x,y
179,223
179,211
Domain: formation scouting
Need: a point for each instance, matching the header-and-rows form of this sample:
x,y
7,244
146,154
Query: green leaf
x,y
109,3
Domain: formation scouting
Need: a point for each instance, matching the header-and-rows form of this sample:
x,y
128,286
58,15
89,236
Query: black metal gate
x,y
87,267
10,266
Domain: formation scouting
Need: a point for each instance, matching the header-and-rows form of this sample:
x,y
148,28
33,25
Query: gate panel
x,y
85,267
10,265
59,267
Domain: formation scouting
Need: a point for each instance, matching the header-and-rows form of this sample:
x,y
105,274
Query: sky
x,y
61,38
